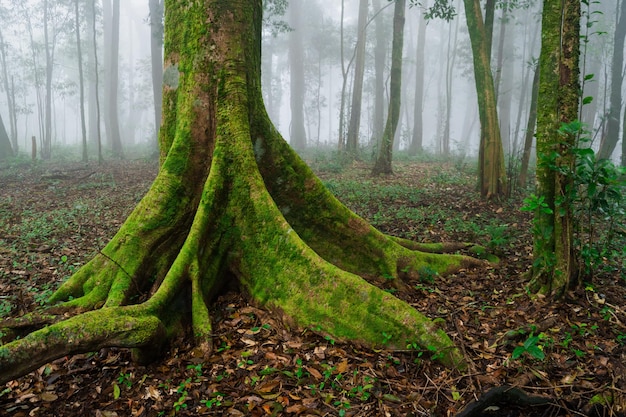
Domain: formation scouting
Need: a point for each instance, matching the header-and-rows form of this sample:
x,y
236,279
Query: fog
x,y
450,114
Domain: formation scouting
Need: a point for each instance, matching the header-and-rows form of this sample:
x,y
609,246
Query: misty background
x,y
309,52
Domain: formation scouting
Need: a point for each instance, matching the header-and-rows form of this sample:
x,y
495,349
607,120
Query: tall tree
x,y
232,204
380,55
352,141
9,93
609,142
94,40
491,171
417,141
46,148
80,80
554,269
385,148
156,56
113,87
296,67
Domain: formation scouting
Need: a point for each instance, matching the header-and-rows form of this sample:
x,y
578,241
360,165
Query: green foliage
x,y
531,347
596,196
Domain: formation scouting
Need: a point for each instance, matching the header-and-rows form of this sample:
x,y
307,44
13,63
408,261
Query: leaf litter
x,y
571,352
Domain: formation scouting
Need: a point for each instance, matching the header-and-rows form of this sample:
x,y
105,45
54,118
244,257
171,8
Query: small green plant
x,y
125,379
216,401
181,402
531,347
5,308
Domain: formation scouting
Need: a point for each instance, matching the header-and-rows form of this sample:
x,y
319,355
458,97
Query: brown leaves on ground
x,y
51,224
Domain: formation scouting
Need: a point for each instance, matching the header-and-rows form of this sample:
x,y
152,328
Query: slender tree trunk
x,y
554,269
46,149
378,122
609,142
81,81
417,140
490,13
229,190
156,56
6,150
94,33
113,113
450,63
9,93
385,152
530,130
296,67
352,141
492,174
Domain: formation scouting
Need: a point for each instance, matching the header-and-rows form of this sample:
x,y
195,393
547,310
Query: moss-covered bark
x,y
554,267
231,201
491,171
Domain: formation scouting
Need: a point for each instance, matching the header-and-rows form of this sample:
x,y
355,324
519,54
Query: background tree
x,y
380,55
229,188
297,85
491,170
79,53
385,148
5,143
609,142
156,56
9,91
554,269
416,145
112,123
352,141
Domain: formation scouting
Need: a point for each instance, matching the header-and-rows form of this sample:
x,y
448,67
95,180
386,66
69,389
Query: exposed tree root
x,y
233,204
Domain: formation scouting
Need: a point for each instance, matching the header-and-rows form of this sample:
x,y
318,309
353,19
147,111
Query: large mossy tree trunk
x,y
554,269
232,204
491,171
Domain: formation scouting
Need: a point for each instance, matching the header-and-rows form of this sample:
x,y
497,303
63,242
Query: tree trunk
x,y
156,55
554,268
81,82
491,172
609,142
530,130
378,122
9,93
385,151
94,33
113,88
296,71
417,139
46,148
232,203
6,150
352,141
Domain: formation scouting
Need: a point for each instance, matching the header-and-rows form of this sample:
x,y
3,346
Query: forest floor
x,y
53,218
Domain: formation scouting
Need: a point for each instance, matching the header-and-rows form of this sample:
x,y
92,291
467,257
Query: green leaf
x,y
587,100
116,391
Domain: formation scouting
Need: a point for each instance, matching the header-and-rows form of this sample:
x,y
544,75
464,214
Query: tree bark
x,y
491,171
554,269
231,202
385,151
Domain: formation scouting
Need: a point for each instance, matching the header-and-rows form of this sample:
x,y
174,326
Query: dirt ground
x,y
566,355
